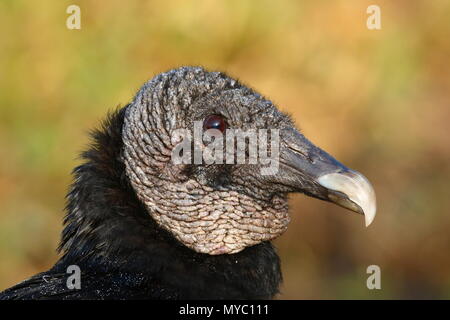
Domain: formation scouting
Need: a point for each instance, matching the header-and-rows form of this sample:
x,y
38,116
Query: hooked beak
x,y
310,170
351,190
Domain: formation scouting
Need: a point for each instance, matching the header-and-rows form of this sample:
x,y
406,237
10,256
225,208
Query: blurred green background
x,y
379,101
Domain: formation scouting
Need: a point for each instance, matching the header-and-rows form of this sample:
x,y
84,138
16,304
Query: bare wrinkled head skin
x,y
212,209
220,208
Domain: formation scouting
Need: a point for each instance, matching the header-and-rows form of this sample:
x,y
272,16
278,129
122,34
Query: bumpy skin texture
x,y
202,210
111,230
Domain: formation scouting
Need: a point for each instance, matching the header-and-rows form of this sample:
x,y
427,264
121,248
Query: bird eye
x,y
214,122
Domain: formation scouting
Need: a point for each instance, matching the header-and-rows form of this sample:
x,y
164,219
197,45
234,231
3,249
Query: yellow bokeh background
x,y
378,100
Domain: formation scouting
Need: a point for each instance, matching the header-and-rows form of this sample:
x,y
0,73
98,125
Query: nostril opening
x,y
304,153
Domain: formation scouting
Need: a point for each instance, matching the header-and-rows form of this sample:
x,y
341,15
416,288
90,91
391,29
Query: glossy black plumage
x,y
123,254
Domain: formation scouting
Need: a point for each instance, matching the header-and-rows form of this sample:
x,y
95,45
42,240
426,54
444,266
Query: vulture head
x,y
181,192
223,206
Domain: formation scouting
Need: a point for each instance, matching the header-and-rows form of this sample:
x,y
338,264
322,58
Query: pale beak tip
x,y
369,217
360,196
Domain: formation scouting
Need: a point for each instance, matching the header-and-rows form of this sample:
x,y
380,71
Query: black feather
x,y
123,254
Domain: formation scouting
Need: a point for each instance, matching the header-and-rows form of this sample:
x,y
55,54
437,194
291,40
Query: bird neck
x,y
108,229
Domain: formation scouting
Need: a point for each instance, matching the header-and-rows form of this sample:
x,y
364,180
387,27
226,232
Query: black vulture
x,y
140,226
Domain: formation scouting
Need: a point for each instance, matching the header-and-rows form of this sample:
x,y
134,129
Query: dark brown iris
x,y
214,122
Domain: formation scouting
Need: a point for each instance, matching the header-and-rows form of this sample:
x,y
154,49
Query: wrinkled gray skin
x,y
215,209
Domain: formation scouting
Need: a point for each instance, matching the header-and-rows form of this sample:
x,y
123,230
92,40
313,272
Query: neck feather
x,y
107,227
